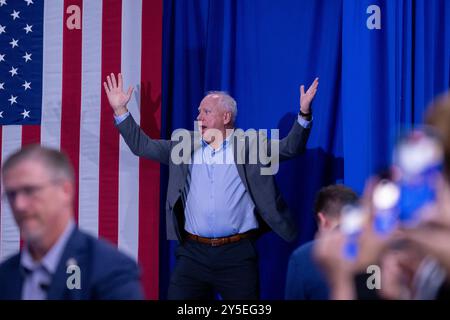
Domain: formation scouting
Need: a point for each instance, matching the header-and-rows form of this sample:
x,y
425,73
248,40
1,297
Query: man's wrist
x,y
119,119
120,111
305,115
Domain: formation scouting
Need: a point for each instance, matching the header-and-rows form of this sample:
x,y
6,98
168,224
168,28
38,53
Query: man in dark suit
x,y
220,195
305,280
57,260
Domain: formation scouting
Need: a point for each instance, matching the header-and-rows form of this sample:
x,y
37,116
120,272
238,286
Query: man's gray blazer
x,y
270,208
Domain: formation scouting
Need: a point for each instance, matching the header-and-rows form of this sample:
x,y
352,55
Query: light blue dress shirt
x,y
38,274
215,200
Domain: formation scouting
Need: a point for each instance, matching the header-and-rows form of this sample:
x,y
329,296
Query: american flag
x,y
54,55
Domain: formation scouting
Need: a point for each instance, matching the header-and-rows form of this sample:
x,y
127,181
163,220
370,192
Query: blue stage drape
x,y
374,83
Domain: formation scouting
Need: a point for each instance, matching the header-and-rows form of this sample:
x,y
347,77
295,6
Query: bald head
x,y
226,102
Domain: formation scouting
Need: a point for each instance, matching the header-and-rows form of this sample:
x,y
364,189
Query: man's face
x,y
211,116
38,201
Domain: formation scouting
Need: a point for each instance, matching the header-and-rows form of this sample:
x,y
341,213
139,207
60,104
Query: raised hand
x,y
307,97
117,98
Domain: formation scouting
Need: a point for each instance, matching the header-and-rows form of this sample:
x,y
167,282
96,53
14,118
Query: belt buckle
x,y
216,242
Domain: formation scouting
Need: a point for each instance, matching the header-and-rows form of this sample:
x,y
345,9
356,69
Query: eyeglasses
x,y
29,191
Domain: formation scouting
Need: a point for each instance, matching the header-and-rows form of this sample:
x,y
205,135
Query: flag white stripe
x,y
91,87
10,235
128,232
52,74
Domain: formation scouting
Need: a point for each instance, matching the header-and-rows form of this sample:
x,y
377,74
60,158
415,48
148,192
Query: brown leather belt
x,y
215,242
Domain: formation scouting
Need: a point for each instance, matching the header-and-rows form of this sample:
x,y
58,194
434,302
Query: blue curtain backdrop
x,y
374,83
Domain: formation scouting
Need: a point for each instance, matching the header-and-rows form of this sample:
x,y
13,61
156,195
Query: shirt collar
x,y
51,259
224,145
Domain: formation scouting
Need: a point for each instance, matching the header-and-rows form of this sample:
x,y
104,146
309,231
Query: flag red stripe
x,y
1,152
30,135
109,136
149,175
71,90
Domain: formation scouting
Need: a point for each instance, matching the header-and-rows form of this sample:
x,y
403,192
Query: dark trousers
x,y
202,270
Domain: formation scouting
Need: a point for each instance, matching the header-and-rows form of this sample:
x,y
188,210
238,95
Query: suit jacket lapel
x,y
72,254
240,153
15,280
195,145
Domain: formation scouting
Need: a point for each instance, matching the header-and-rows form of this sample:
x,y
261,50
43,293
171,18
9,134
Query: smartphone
x,y
419,159
351,224
386,206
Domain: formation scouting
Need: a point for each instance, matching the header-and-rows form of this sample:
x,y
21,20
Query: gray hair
x,y
227,102
55,161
